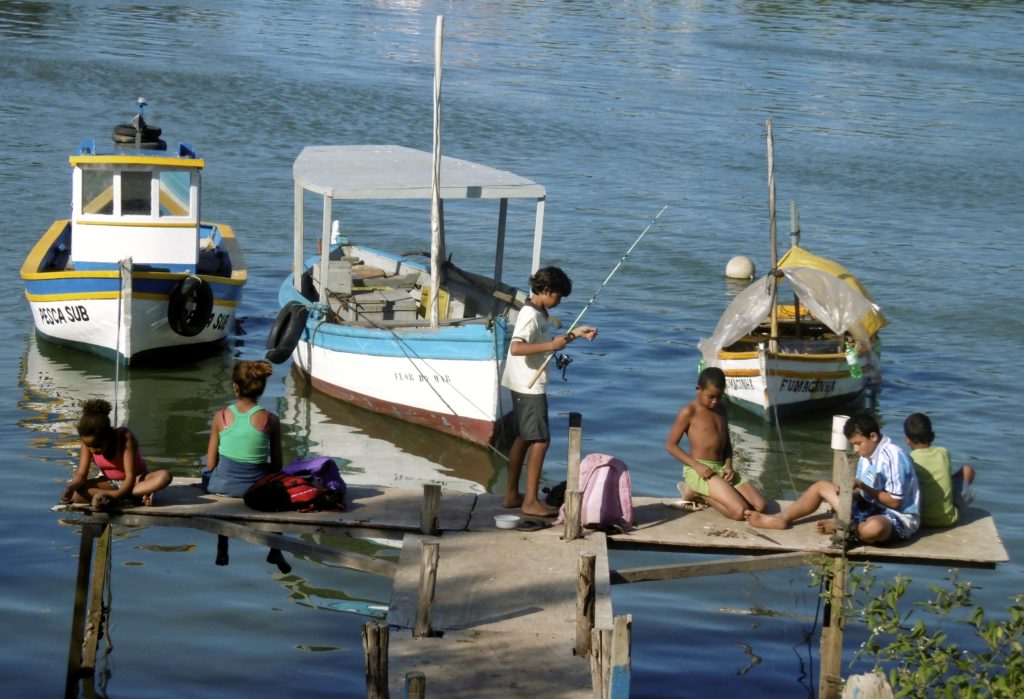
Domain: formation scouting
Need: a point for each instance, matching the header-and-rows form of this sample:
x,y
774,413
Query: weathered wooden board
x,y
371,507
973,542
502,580
505,602
485,664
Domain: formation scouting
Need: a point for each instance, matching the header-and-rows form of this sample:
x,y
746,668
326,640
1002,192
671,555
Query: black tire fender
x,y
190,306
288,327
148,133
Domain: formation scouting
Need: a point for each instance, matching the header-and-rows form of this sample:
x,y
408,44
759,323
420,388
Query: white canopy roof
x,y
397,172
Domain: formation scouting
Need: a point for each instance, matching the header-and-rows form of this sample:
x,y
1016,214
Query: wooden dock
x,y
503,606
972,543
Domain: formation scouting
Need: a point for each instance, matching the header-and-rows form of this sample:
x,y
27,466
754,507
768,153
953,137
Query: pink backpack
x,y
607,493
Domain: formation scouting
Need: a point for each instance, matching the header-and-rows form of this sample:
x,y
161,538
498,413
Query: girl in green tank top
x,y
245,438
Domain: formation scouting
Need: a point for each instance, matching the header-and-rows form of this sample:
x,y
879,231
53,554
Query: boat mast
x,y
773,340
436,232
794,240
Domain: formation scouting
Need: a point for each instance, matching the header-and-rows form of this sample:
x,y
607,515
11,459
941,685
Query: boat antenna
x,y
599,289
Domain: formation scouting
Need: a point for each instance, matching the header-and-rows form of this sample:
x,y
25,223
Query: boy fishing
x,y
532,339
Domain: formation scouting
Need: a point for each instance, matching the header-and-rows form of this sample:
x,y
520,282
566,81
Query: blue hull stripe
x,y
61,287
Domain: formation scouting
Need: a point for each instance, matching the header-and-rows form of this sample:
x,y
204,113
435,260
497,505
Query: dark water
x,y
897,129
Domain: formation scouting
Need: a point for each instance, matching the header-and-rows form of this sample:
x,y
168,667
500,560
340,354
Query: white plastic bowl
x,y
506,521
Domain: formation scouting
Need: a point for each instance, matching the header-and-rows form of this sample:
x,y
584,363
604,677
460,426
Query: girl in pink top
x,y
115,452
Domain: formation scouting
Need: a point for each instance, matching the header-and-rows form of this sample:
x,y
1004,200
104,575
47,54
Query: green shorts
x,y
700,486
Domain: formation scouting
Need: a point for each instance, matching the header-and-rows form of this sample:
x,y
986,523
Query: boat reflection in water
x,y
168,408
783,465
375,449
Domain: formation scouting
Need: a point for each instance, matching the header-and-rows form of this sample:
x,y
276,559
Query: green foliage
x,y
920,657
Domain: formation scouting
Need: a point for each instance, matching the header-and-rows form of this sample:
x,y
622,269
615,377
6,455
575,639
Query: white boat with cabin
x,y
367,327
135,271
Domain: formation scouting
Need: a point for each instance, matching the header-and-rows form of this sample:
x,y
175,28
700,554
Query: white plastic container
x,y
506,521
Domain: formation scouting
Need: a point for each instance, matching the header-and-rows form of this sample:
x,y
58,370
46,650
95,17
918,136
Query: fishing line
x,y
599,289
782,448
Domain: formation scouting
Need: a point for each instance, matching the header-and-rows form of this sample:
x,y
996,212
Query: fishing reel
x,y
562,362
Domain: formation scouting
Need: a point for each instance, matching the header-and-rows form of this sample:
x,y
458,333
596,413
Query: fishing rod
x,y
596,293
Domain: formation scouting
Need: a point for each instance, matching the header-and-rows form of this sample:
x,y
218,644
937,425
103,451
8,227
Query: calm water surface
x,y
897,131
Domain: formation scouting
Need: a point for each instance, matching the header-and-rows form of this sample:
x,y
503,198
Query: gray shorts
x,y
531,416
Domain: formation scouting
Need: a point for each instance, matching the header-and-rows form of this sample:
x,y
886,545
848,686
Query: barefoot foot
x,y
763,521
100,501
512,501
826,526
538,509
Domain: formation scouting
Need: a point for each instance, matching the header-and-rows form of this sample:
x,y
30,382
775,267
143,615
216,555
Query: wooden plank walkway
x,y
973,542
505,602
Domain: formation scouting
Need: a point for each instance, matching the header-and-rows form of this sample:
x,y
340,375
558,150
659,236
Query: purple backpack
x,y
322,471
607,493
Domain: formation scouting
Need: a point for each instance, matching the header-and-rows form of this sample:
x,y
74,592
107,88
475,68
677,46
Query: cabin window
x,y
175,188
97,192
136,193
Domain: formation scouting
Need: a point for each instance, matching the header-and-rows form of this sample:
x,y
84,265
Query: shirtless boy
x,y
707,467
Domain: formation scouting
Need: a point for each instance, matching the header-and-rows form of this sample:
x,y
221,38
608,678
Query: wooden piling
x,y
431,508
85,548
429,554
375,644
621,657
97,618
573,528
600,661
415,685
830,677
586,598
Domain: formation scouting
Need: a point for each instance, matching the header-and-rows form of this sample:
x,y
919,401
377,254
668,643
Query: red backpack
x,y
281,492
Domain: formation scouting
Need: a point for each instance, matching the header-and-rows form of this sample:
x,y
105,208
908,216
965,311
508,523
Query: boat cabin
x,y
142,205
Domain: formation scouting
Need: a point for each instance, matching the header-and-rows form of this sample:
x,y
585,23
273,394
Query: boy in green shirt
x,y
944,494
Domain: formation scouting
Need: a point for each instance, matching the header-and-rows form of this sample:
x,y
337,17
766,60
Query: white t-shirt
x,y
531,327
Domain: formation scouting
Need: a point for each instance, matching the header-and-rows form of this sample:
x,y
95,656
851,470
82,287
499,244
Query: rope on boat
x,y
412,357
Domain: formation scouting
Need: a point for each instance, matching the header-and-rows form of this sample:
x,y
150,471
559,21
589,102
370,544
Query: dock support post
x,y
586,597
573,496
375,644
430,514
428,577
600,661
97,618
415,685
830,677
621,657
89,534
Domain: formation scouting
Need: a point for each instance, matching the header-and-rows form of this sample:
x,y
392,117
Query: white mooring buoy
x,y
740,267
